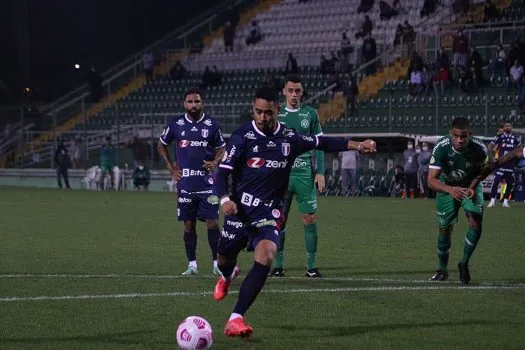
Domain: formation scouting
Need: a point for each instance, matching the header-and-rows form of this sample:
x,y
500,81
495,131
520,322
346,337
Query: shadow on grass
x,y
124,338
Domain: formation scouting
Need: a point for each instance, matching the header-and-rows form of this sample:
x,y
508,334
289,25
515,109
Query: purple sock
x,y
250,287
190,243
227,269
213,240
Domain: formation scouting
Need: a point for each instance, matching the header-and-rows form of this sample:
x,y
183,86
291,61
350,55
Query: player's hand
x,y
175,172
229,208
209,165
469,193
367,146
321,183
458,193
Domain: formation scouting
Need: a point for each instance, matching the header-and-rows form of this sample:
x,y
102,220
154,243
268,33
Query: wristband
x,y
224,200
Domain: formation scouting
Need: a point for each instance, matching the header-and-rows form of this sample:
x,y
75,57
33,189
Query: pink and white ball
x,y
194,333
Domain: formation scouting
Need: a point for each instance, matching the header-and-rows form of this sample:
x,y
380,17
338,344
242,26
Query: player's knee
x,y
189,226
212,224
445,231
265,252
308,219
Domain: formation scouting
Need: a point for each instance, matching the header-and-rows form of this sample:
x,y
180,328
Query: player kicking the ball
x,y
259,157
199,147
457,166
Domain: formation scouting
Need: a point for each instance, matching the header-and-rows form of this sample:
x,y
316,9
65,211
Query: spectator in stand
x,y
232,16
350,92
206,79
346,46
141,177
148,62
423,160
365,6
516,75
429,7
369,53
475,64
410,169
490,12
460,47
443,71
326,65
291,65
348,161
254,35
95,84
216,77
178,71
228,36
461,6
366,28
386,11
517,52
499,62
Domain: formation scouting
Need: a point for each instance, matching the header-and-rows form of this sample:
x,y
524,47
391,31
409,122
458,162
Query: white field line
x,y
286,278
269,291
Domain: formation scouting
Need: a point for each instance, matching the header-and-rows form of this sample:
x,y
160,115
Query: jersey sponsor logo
x,y
228,236
305,123
204,132
213,200
307,138
236,224
229,156
255,162
186,143
456,175
165,132
285,147
264,222
191,172
304,114
249,135
184,200
299,163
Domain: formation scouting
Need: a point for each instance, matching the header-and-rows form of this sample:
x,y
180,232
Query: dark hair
x,y
293,78
192,91
266,93
507,122
460,123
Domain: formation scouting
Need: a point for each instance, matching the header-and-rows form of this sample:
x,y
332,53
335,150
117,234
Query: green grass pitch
x,y
107,266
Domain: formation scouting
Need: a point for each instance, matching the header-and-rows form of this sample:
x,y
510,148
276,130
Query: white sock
x,y
234,316
215,264
492,200
505,201
193,264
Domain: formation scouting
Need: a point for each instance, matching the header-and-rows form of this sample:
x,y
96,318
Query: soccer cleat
x,y
313,273
221,288
190,271
506,205
440,275
216,271
464,273
277,272
237,328
491,204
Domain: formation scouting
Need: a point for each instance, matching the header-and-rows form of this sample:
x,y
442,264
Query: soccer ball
x,y
194,333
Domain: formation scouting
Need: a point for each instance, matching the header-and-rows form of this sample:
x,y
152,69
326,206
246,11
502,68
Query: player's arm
x,y
220,147
234,150
319,154
516,153
162,147
493,146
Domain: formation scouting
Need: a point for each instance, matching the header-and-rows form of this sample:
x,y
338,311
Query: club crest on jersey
x,y
204,132
285,147
305,123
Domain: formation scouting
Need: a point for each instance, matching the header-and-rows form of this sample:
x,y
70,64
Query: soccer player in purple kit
x,y
259,157
505,142
199,148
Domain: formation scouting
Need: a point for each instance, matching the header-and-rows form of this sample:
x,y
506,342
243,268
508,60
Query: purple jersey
x,y
505,144
195,142
260,166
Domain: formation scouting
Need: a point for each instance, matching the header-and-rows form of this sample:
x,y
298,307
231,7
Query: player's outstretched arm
x,y
458,193
517,153
339,144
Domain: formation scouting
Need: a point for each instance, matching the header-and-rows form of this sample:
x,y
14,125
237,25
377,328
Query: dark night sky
x,y
64,32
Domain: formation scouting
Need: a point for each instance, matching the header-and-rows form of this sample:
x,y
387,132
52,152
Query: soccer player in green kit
x,y
305,120
457,166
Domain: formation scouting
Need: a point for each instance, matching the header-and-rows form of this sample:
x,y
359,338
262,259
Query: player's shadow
x,y
341,331
123,338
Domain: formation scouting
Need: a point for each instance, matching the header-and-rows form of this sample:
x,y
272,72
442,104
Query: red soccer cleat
x,y
221,288
237,328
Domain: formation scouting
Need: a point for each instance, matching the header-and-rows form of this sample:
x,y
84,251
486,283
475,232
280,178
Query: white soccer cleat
x,y
190,271
506,205
492,204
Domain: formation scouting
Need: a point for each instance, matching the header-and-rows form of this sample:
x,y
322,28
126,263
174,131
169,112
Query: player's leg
x,y
509,180
265,242
278,270
59,177
447,215
209,211
307,200
187,212
474,212
494,189
233,239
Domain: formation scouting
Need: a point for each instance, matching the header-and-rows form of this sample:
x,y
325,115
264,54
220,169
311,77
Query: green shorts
x,y
447,208
305,192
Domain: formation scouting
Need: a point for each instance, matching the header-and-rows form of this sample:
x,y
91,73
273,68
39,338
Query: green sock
x,y
280,249
471,241
443,251
310,240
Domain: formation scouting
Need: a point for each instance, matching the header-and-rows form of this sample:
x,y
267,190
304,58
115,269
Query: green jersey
x,y
304,120
458,169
